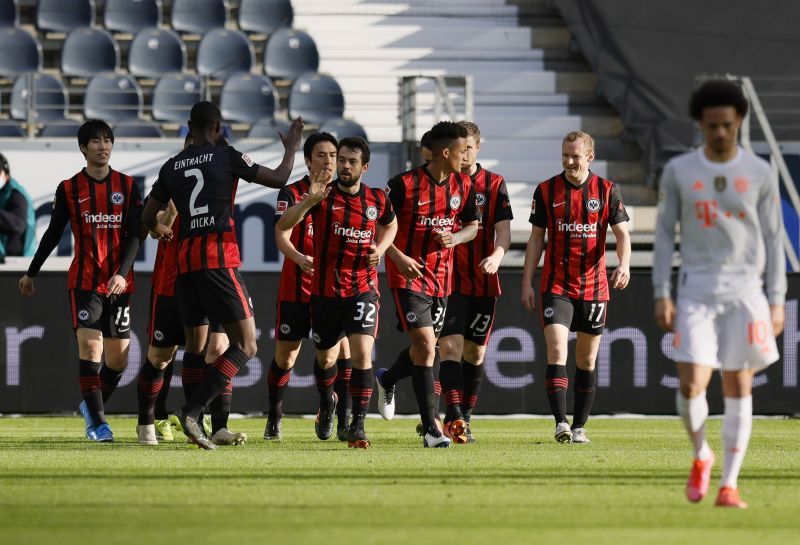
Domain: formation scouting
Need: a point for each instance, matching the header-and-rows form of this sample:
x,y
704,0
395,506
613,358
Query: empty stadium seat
x,y
9,13
155,52
174,96
317,98
223,53
64,15
113,98
89,51
198,16
341,128
67,128
289,54
27,50
269,129
9,129
138,129
132,15
247,98
48,97
265,16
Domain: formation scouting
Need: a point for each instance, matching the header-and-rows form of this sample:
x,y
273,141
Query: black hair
x,y
444,133
356,143
425,141
717,92
94,128
316,138
204,114
4,165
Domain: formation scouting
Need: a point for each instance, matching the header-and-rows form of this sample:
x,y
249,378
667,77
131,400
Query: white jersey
x,y
730,218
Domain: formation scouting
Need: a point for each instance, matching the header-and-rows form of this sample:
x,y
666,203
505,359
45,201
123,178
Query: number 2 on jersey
x,y
197,174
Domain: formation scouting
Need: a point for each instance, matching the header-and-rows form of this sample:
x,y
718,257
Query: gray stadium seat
x,y
49,98
138,129
9,129
317,98
265,16
222,53
131,16
89,51
67,128
9,13
155,52
113,98
247,98
174,96
64,15
198,16
269,129
27,50
290,53
341,128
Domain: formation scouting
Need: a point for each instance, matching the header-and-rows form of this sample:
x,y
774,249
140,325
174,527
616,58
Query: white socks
x,y
736,427
694,412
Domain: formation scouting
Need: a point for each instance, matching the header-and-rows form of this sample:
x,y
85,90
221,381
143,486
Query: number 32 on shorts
x,y
365,313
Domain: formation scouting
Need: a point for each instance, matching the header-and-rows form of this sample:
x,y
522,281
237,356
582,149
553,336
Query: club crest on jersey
x,y
411,317
741,184
593,205
372,213
281,207
480,199
285,329
158,335
317,338
83,314
720,183
548,312
117,198
455,202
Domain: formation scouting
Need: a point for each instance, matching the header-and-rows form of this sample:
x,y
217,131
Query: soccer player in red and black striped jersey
x,y
428,201
293,317
103,207
470,308
201,181
575,208
353,226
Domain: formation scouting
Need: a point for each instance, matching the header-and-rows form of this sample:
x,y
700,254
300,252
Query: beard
x,y
348,182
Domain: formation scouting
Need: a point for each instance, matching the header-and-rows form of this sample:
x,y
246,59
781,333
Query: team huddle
x,y
443,229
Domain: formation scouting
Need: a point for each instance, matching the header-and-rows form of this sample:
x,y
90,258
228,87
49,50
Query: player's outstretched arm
x,y
284,242
278,177
502,242
58,221
533,254
150,219
318,189
622,274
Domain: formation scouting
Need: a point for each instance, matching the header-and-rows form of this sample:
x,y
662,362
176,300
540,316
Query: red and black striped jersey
x,y
424,208
100,213
576,219
345,226
491,198
202,182
294,285
165,270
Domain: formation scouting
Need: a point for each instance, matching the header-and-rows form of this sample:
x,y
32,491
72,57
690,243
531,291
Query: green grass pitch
x,y
515,486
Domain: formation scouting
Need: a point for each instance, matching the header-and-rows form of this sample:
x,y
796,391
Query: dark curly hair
x,y
717,92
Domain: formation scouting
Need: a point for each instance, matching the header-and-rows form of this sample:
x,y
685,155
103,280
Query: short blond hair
x,y
585,137
472,129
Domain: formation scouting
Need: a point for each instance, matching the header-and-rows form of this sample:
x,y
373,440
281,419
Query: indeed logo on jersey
x,y
577,230
438,223
104,221
354,236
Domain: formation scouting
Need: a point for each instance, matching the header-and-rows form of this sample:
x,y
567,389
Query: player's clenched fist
x,y
26,285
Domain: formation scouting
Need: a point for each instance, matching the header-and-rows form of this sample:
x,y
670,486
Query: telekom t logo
x,y
707,212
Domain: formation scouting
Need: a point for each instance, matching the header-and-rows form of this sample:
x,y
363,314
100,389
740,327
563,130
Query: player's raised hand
x,y
26,285
320,185
409,267
373,257
161,232
529,298
490,264
620,277
306,263
116,285
291,140
445,239
665,313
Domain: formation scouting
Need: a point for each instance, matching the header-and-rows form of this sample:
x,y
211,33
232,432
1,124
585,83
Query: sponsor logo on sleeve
x,y
247,160
281,207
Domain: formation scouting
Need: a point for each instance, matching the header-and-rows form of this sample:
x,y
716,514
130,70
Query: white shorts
x,y
730,336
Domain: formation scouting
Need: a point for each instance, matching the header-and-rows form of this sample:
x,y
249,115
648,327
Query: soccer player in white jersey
x,y
727,203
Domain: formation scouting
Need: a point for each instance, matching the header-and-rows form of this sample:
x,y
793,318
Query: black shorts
x,y
215,295
416,310
336,317
164,328
292,320
584,316
470,317
108,314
